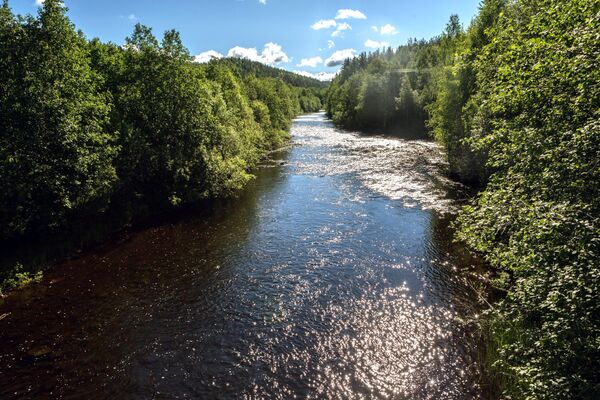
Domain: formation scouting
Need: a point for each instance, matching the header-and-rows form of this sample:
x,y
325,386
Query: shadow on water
x,y
115,225
322,280
154,261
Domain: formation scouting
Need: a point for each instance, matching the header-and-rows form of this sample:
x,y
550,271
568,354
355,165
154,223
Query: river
x,y
333,275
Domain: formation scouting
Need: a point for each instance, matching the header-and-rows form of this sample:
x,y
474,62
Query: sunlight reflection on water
x,y
333,276
407,170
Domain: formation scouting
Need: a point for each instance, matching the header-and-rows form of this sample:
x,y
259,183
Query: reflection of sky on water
x,y
324,279
407,170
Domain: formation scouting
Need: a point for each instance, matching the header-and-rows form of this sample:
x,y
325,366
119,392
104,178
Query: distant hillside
x,y
246,67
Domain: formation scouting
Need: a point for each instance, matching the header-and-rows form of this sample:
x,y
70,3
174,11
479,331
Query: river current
x,y
333,275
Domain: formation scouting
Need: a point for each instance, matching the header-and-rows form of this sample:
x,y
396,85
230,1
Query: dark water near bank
x,y
332,276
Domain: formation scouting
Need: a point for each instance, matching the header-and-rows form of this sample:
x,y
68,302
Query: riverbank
x,y
96,135
24,261
317,280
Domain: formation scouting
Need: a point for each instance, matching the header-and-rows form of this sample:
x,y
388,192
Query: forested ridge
x,y
310,91
87,127
514,99
244,66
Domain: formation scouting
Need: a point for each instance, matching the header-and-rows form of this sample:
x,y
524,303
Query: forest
x,y
93,130
514,99
90,127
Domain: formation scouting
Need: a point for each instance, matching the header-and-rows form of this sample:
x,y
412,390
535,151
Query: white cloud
x,y
330,45
322,76
323,24
388,30
310,62
274,54
339,56
375,29
132,17
263,2
347,14
243,52
271,54
39,2
376,45
207,56
340,29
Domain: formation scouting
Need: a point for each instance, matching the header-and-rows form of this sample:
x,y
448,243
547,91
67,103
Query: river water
x,y
333,275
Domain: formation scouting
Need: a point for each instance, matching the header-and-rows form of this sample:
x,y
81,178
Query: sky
x,y
311,37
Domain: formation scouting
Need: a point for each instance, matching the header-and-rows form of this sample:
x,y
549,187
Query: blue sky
x,y
298,35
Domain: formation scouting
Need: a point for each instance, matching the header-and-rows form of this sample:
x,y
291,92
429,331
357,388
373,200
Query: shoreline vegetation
x,y
95,134
514,99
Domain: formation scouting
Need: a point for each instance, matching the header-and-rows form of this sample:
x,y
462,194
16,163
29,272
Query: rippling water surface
x,y
332,276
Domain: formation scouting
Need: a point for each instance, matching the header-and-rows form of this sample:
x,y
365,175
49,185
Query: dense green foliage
x,y
86,126
310,91
515,102
420,86
311,100
539,217
391,90
380,91
18,278
56,154
244,67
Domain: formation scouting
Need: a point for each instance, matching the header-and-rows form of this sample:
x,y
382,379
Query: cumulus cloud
x,y
339,56
323,24
274,54
310,62
385,29
263,2
347,14
39,2
271,54
322,76
340,29
372,44
243,52
388,30
207,56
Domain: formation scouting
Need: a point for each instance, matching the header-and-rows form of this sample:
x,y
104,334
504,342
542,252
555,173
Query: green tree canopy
x,y
55,152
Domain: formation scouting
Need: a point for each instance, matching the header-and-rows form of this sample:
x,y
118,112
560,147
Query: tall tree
x,y
55,154
538,219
